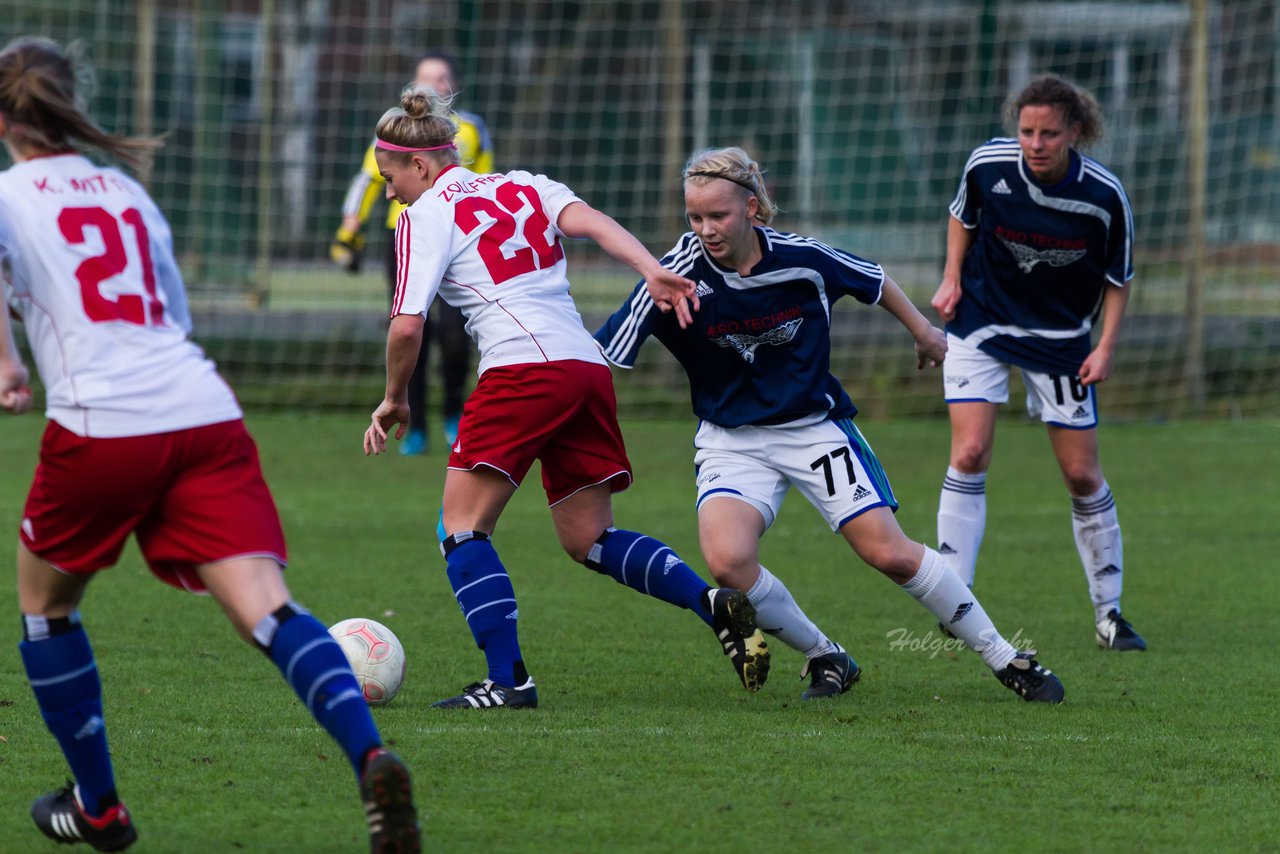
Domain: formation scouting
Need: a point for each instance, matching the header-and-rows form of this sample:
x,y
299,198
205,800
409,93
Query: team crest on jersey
x,y
1028,258
746,344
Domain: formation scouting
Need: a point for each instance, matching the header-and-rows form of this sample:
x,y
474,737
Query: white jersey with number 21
x,y
489,245
91,272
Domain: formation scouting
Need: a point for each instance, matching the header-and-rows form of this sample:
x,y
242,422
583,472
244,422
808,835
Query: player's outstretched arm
x,y
959,239
668,290
1096,368
931,344
15,396
404,339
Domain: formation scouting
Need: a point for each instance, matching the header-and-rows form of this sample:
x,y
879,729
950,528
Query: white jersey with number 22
x,y
489,245
91,272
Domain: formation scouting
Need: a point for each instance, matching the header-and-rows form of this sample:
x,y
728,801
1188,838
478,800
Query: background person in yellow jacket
x,y
439,71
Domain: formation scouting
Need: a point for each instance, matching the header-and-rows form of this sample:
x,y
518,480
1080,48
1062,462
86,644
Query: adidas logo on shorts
x,y
1080,412
1001,188
861,492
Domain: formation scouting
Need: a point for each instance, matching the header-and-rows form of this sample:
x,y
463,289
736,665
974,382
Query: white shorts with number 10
x,y
828,461
970,376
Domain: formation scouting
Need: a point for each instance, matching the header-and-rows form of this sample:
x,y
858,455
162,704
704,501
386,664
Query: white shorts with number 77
x,y
970,375
829,462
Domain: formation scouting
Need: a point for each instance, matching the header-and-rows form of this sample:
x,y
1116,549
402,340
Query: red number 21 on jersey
x,y
92,272
537,253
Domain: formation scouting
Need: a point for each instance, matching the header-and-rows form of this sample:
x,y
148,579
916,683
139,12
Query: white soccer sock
x,y
962,520
778,614
955,606
1097,529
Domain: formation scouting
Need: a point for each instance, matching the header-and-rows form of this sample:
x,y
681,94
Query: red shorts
x,y
192,497
562,413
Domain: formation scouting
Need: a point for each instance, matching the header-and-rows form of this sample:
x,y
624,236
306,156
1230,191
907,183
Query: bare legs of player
x,y
252,592
729,532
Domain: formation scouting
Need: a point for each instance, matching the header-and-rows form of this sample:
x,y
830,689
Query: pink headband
x,y
391,146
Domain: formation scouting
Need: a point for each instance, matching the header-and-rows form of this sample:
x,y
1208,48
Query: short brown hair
x,y
1077,105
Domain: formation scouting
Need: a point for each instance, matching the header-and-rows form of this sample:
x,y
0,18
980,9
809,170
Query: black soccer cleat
x,y
61,817
1030,681
1114,632
734,622
490,695
388,804
830,675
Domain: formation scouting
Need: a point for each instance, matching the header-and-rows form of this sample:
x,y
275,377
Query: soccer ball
x,y
375,655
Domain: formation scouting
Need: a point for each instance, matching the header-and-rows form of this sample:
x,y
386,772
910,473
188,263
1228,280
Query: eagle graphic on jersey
x,y
746,344
1027,257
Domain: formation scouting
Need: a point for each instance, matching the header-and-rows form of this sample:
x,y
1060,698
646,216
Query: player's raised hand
x,y
386,416
931,348
947,298
670,291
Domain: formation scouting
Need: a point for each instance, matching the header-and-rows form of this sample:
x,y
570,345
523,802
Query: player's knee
x,y
730,568
890,558
1082,480
738,575
971,457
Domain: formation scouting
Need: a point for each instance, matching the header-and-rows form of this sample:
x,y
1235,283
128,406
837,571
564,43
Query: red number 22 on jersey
x,y
92,272
537,253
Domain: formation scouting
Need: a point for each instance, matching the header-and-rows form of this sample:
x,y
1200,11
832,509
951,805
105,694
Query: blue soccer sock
x,y
488,602
650,567
64,677
316,669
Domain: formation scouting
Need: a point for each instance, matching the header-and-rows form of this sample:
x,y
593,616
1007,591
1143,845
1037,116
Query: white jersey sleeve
x,y
93,277
422,255
555,197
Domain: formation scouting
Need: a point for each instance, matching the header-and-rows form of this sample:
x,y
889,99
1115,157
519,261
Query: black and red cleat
x,y
61,817
388,804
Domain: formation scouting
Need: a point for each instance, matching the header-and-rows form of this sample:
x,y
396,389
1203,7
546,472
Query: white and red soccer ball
x,y
375,655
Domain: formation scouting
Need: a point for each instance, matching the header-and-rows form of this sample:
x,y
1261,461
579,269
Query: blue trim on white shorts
x,y
852,516
719,489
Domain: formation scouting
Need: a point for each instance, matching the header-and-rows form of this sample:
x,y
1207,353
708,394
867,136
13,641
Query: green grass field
x,y
644,740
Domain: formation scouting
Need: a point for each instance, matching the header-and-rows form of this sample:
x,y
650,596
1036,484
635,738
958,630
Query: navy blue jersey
x,y
1034,278
759,349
